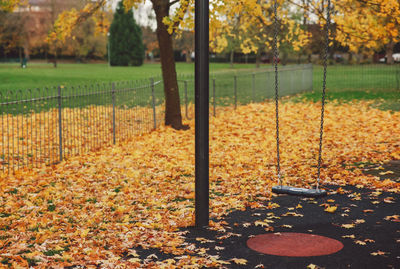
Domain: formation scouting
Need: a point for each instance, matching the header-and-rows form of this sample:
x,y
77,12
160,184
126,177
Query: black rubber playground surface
x,y
366,221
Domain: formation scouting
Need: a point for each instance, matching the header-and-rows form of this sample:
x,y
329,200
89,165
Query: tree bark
x,y
173,116
20,55
389,52
258,58
231,58
26,50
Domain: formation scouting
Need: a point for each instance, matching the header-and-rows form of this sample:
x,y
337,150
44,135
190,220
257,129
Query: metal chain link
x,y
276,55
328,21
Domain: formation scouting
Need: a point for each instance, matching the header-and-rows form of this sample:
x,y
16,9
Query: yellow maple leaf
x,y
378,253
331,209
348,226
261,223
386,173
134,260
84,233
352,236
239,261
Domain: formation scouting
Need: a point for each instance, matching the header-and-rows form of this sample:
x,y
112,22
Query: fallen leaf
x,y
331,209
352,236
386,173
132,252
359,221
359,242
379,253
261,223
389,200
395,218
348,226
134,260
292,214
239,261
204,240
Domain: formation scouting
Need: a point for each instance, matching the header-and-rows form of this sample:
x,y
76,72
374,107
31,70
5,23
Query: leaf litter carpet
x,y
121,205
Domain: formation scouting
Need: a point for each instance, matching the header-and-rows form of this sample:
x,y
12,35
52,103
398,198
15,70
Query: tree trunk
x,y
258,58
26,51
173,116
20,55
55,57
188,57
231,58
389,53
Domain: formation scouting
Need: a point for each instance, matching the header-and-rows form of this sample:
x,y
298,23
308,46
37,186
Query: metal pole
x,y
254,87
235,90
60,123
113,110
153,102
109,50
201,113
214,101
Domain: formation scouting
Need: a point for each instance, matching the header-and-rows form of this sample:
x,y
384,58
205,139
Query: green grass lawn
x,y
371,82
39,75
359,82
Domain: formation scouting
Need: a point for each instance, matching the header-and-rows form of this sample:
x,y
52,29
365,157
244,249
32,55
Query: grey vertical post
x,y
235,90
113,110
254,87
312,77
202,113
153,102
214,100
60,122
109,49
186,99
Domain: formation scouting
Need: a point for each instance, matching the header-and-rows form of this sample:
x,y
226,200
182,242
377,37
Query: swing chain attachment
x,y
279,179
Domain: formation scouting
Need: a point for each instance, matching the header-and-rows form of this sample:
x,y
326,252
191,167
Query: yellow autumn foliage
x,y
92,208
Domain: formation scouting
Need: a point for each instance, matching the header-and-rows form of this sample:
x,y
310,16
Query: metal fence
x,y
360,77
44,126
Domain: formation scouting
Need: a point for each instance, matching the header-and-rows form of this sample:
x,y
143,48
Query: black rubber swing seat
x,y
299,191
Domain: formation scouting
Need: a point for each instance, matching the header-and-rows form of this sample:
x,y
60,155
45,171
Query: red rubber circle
x,y
294,244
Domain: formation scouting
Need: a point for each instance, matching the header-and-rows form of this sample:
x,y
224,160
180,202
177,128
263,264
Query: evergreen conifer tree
x,y
126,44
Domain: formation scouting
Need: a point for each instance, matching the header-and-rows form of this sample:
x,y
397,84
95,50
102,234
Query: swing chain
x,y
328,20
276,55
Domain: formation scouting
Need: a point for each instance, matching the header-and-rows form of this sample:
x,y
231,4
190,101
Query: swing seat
x,y
316,193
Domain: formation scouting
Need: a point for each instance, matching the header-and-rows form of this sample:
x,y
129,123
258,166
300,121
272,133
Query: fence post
x,y
254,87
113,111
214,101
153,102
60,122
312,77
186,99
235,89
